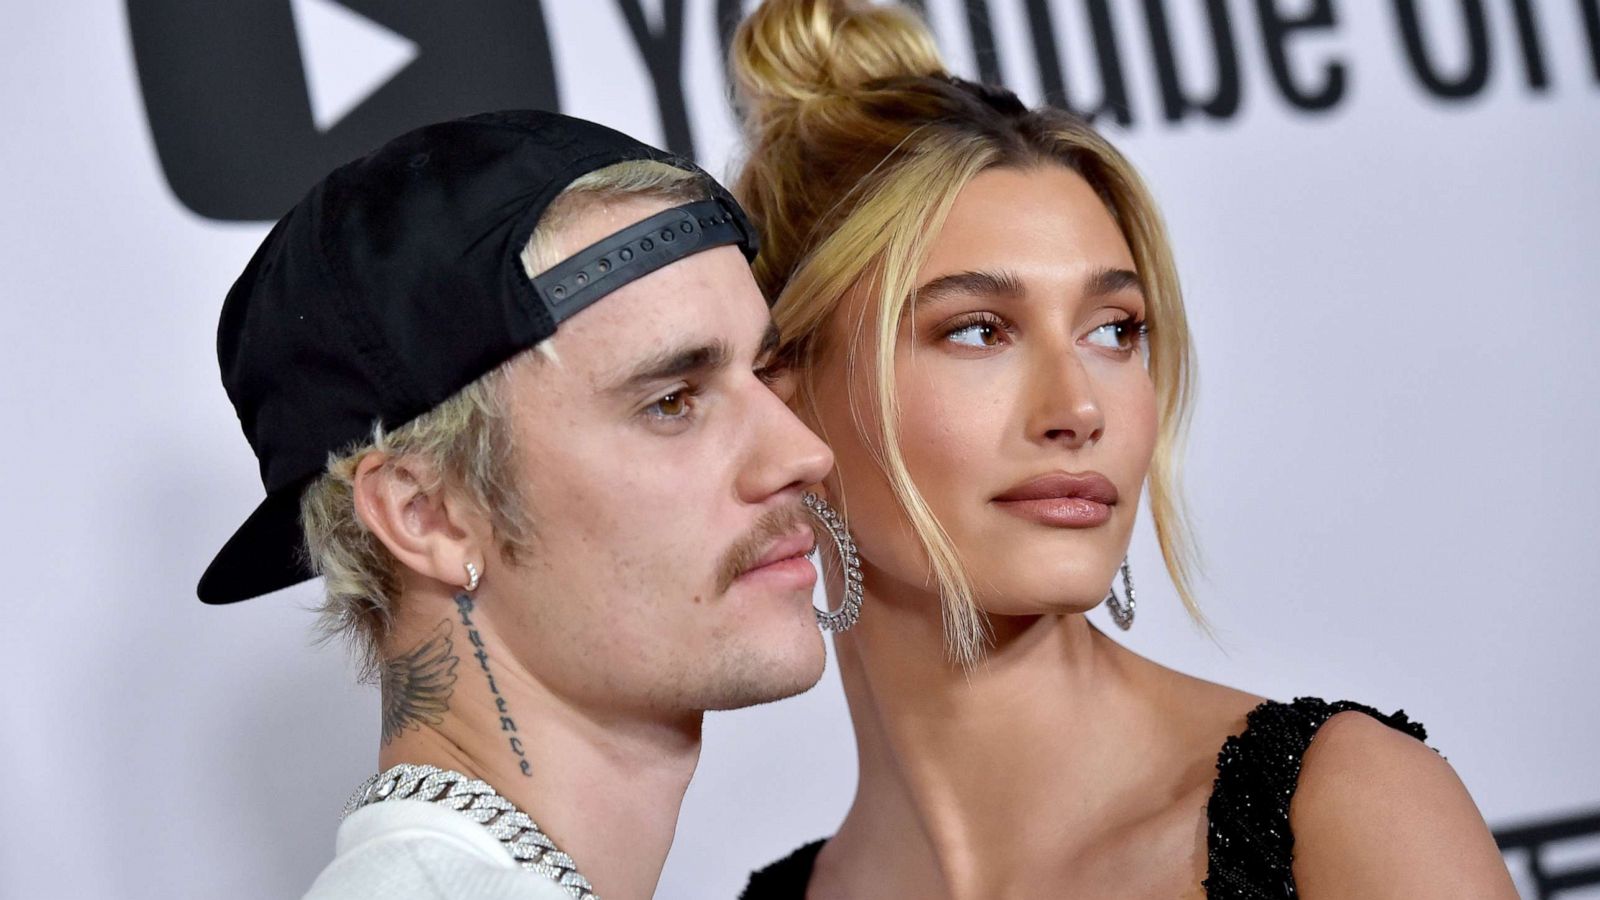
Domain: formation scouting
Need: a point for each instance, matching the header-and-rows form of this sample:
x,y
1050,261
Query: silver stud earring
x,y
850,609
472,577
1121,608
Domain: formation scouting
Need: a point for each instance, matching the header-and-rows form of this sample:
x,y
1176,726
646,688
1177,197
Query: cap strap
x,y
635,252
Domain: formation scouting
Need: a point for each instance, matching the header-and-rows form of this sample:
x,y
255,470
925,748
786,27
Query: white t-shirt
x,y
415,850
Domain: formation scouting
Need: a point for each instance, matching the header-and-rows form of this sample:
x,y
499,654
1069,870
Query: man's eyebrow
x,y
674,362
969,283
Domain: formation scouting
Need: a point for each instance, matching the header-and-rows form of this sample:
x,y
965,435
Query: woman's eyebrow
x,y
1002,284
771,339
1109,281
969,284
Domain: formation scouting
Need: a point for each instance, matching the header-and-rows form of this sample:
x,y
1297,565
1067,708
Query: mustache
x,y
744,552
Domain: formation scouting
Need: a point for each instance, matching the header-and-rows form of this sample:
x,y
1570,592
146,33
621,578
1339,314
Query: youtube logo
x,y
250,103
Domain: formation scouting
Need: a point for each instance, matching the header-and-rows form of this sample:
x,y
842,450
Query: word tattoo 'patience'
x,y
508,725
417,686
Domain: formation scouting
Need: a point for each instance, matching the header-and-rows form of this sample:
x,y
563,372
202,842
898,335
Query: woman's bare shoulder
x,y
1375,812
1378,814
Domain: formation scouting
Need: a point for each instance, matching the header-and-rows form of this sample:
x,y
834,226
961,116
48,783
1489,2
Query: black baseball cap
x,y
397,281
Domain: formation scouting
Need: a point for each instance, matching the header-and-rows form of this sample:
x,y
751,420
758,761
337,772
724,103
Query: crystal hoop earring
x,y
1121,609
850,609
472,577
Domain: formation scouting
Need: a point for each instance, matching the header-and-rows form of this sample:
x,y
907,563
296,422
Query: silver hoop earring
x,y
1121,609
472,577
850,610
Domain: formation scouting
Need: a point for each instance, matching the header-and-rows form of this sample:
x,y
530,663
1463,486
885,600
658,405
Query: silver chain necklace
x,y
479,802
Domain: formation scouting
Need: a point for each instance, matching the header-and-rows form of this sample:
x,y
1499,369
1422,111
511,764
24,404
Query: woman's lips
x,y
1061,499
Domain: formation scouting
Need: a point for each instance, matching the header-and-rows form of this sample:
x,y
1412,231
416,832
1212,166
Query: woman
x,y
981,307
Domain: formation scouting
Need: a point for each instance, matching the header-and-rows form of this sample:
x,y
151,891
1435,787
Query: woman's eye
x,y
780,380
673,406
772,373
1121,335
978,334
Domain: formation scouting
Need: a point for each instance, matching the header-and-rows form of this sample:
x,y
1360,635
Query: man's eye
x,y
673,406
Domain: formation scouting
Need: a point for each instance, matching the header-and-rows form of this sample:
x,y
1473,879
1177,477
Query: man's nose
x,y
788,454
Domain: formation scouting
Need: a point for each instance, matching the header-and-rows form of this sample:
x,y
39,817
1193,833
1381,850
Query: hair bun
x,y
790,52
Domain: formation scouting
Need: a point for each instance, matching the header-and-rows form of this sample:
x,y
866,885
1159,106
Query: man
x,y
507,381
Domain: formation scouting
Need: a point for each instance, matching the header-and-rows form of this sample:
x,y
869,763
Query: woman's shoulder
x,y
1378,796
1250,840
1272,745
785,879
1340,799
1310,798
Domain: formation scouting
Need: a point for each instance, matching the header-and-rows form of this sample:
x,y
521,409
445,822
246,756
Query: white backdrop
x,y
1391,468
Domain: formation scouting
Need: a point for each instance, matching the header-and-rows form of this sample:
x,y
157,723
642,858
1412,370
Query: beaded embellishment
x,y
1249,845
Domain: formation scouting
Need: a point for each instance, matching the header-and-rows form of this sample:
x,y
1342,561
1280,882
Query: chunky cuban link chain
x,y
479,802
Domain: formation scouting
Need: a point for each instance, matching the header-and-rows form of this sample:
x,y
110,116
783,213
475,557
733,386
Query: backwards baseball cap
x,y
397,281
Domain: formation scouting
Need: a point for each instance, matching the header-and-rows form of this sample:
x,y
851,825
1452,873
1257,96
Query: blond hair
x,y
859,142
464,444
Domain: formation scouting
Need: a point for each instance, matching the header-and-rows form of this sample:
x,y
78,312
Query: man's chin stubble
x,y
750,678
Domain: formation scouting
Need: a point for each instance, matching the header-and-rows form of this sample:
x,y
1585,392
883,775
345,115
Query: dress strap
x,y
1250,847
786,879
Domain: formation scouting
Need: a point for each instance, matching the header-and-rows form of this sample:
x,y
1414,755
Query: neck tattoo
x,y
508,725
417,685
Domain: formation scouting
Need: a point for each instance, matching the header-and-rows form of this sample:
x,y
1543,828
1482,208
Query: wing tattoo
x,y
417,685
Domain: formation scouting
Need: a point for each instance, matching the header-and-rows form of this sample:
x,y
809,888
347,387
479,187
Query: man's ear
x,y
424,531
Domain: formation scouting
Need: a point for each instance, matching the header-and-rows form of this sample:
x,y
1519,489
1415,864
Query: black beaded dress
x,y
1249,844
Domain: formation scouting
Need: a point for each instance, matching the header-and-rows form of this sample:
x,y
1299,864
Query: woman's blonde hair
x,y
859,142
464,443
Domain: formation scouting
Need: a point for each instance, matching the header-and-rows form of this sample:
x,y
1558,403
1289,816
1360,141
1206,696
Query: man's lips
x,y
1062,499
794,545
